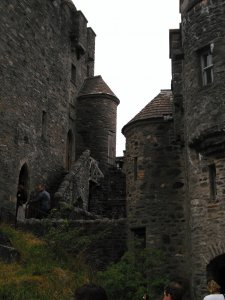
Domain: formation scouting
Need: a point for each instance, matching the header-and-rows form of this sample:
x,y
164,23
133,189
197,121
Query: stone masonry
x,y
52,110
58,120
175,167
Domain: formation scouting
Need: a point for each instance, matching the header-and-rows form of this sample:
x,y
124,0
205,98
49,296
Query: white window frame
x,y
207,67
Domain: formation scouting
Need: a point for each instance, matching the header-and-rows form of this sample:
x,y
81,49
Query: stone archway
x,y
216,271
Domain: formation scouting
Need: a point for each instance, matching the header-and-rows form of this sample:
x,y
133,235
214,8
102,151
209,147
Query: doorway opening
x,y
24,177
216,270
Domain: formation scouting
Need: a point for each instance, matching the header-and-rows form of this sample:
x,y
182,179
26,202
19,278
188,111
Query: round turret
x,y
203,31
96,121
153,175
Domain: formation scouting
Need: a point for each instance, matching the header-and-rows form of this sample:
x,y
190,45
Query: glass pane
x,y
205,60
208,76
209,60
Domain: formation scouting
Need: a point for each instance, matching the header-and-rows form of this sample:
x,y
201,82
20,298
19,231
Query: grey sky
x,y
132,50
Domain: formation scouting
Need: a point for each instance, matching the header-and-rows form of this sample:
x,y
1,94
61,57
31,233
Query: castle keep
x,y
58,125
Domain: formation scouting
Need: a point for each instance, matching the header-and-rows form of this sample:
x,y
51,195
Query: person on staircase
x,y
41,202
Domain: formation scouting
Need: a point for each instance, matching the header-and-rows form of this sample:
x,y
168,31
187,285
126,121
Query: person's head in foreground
x,y
213,287
90,292
173,291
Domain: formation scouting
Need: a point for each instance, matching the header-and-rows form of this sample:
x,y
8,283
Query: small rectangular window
x,y
212,182
206,66
73,74
139,237
111,149
44,125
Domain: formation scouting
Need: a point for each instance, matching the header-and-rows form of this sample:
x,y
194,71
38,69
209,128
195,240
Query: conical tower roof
x,y
96,86
159,107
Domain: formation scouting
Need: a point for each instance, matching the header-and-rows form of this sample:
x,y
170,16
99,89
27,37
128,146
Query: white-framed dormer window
x,y
207,66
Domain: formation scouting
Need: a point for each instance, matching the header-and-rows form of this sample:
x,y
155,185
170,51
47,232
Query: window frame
x,y
206,60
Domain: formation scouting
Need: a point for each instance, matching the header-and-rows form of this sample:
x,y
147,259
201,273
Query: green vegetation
x,y
137,273
52,268
39,275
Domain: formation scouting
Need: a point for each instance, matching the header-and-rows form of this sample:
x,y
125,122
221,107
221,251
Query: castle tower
x,y
155,181
198,75
96,121
203,29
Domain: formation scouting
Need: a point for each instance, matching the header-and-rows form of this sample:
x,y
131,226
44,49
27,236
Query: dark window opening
x,y
69,150
139,237
212,181
44,124
73,74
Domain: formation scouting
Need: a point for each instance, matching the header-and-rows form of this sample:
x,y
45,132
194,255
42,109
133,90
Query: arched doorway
x,y
69,150
24,177
22,193
216,271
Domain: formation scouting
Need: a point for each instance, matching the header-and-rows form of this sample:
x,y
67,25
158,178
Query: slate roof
x,y
95,86
159,107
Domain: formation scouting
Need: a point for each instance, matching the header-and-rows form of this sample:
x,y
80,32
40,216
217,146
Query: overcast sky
x,y
132,50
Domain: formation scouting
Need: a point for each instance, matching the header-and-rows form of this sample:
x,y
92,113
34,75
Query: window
x,y
111,149
73,74
212,181
207,66
139,237
44,124
69,150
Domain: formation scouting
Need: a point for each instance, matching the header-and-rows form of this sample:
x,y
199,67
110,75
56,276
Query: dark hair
x,y
90,292
175,290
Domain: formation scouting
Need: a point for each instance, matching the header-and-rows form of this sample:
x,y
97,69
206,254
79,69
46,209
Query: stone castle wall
x,y
155,189
109,237
44,59
203,27
201,110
